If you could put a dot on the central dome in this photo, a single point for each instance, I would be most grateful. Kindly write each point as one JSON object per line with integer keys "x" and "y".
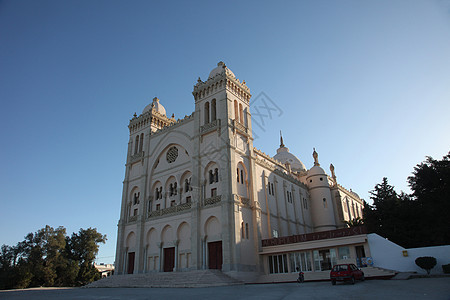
{"x": 284, "y": 156}
{"x": 220, "y": 69}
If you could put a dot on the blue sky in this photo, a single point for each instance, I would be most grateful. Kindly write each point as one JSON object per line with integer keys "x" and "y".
{"x": 367, "y": 83}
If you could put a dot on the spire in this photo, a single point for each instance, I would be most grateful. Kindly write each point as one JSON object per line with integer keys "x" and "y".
{"x": 281, "y": 140}
{"x": 316, "y": 157}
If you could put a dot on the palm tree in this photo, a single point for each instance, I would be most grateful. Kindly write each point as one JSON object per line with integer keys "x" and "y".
{"x": 354, "y": 222}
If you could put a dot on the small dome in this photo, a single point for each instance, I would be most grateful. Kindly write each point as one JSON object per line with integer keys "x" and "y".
{"x": 284, "y": 156}
{"x": 220, "y": 69}
{"x": 156, "y": 105}
{"x": 316, "y": 170}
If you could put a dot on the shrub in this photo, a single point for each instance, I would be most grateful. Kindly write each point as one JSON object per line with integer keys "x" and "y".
{"x": 446, "y": 268}
{"x": 426, "y": 262}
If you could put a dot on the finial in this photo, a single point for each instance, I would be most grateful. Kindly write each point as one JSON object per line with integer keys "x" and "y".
{"x": 135, "y": 115}
{"x": 199, "y": 80}
{"x": 281, "y": 140}
{"x": 220, "y": 63}
{"x": 332, "y": 172}
{"x": 155, "y": 99}
{"x": 316, "y": 157}
{"x": 173, "y": 116}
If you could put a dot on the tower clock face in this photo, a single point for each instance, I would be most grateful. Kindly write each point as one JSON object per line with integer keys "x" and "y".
{"x": 172, "y": 154}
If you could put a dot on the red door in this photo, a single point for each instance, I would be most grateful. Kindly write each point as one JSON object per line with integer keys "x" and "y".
{"x": 215, "y": 255}
{"x": 169, "y": 259}
{"x": 130, "y": 263}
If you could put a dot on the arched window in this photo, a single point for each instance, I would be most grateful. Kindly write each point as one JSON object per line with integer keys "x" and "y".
{"x": 136, "y": 146}
{"x": 213, "y": 110}
{"x": 246, "y": 230}
{"x": 142, "y": 142}
{"x": 242, "y": 231}
{"x": 211, "y": 177}
{"x": 241, "y": 114}
{"x": 216, "y": 175}
{"x": 242, "y": 176}
{"x": 206, "y": 112}
{"x": 237, "y": 169}
{"x": 236, "y": 111}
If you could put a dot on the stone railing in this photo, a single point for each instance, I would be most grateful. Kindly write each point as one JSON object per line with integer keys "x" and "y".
{"x": 132, "y": 218}
{"x": 170, "y": 210}
{"x": 212, "y": 200}
{"x": 209, "y": 127}
{"x": 136, "y": 157}
{"x": 239, "y": 126}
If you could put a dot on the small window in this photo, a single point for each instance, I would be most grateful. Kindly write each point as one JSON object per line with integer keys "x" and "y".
{"x": 310, "y": 180}
{"x": 321, "y": 178}
{"x": 237, "y": 174}
{"x": 172, "y": 203}
{"x": 158, "y": 206}
{"x": 242, "y": 176}
{"x": 325, "y": 203}
{"x": 213, "y": 192}
{"x": 135, "y": 212}
{"x": 188, "y": 199}
{"x": 246, "y": 230}
{"x": 273, "y": 192}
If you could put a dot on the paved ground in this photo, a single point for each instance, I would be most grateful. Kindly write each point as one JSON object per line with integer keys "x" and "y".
{"x": 420, "y": 288}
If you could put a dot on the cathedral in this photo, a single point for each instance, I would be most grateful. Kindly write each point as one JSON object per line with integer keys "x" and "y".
{"x": 198, "y": 195}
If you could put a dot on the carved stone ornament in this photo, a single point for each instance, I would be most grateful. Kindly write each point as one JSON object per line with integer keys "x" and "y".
{"x": 172, "y": 154}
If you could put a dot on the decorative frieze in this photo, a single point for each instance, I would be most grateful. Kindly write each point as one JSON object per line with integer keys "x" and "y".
{"x": 132, "y": 219}
{"x": 170, "y": 210}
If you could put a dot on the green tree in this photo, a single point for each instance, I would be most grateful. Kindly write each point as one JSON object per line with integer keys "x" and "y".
{"x": 354, "y": 222}
{"x": 430, "y": 183}
{"x": 83, "y": 247}
{"x": 392, "y": 216}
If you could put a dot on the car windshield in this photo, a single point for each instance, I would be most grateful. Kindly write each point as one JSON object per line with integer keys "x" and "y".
{"x": 340, "y": 268}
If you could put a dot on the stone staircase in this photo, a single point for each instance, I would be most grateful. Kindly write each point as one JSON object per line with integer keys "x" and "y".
{"x": 200, "y": 278}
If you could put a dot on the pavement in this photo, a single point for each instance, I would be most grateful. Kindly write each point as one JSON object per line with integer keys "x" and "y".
{"x": 417, "y": 288}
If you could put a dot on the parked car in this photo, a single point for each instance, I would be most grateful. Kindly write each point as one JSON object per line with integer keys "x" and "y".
{"x": 346, "y": 272}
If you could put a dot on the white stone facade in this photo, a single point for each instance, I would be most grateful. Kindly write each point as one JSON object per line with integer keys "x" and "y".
{"x": 198, "y": 195}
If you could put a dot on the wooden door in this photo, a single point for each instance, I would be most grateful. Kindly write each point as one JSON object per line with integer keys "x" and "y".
{"x": 169, "y": 259}
{"x": 130, "y": 263}
{"x": 215, "y": 255}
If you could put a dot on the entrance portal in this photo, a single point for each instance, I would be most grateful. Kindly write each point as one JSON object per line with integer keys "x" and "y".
{"x": 360, "y": 253}
{"x": 169, "y": 259}
{"x": 215, "y": 255}
{"x": 130, "y": 263}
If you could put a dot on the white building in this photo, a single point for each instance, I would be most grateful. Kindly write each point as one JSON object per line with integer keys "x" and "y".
{"x": 198, "y": 195}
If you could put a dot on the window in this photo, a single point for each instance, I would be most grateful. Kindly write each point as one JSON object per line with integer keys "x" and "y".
{"x": 274, "y": 233}
{"x": 175, "y": 188}
{"x": 300, "y": 260}
{"x": 241, "y": 114}
{"x": 172, "y": 203}
{"x": 188, "y": 199}
{"x": 136, "y": 198}
{"x": 236, "y": 111}
{"x": 213, "y": 110}
{"x": 135, "y": 212}
{"x": 158, "y": 206}
{"x": 216, "y": 175}
{"x": 246, "y": 230}
{"x": 321, "y": 178}
{"x": 278, "y": 264}
{"x": 344, "y": 252}
{"x": 211, "y": 177}
{"x": 289, "y": 196}
{"x": 305, "y": 203}
{"x": 213, "y": 192}
{"x": 273, "y": 192}
{"x": 141, "y": 142}
{"x": 237, "y": 174}
{"x": 171, "y": 190}
{"x": 206, "y": 112}
{"x": 242, "y": 176}
{"x": 242, "y": 231}
{"x": 187, "y": 183}
{"x": 325, "y": 203}
{"x": 136, "y": 146}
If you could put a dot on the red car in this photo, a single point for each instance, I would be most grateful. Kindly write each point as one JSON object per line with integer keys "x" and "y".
{"x": 346, "y": 272}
